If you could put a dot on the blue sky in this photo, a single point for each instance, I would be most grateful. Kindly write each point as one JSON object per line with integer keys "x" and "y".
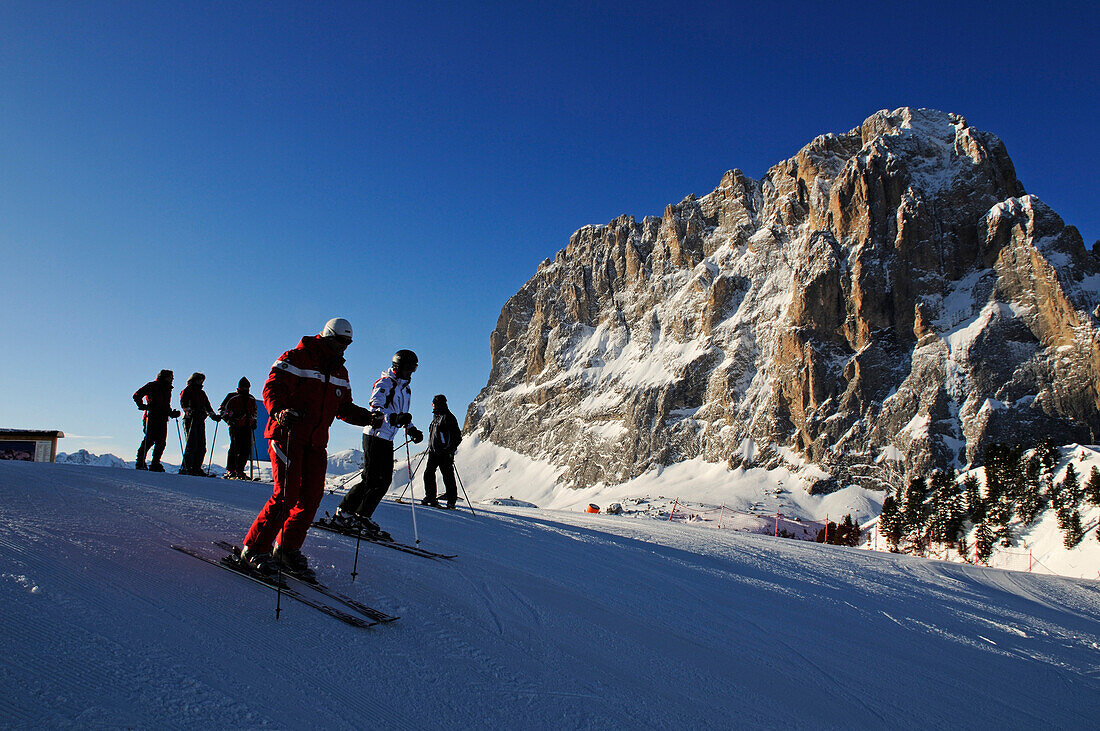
{"x": 197, "y": 185}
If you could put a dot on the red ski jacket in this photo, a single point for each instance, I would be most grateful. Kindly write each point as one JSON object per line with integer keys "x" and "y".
{"x": 238, "y": 409}
{"x": 314, "y": 382}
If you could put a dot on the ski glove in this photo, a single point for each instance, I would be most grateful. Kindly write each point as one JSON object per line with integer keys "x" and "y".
{"x": 400, "y": 420}
{"x": 377, "y": 418}
{"x": 143, "y": 407}
{"x": 174, "y": 413}
{"x": 415, "y": 434}
{"x": 287, "y": 417}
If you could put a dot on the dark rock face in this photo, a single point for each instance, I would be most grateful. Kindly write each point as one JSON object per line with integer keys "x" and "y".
{"x": 888, "y": 292}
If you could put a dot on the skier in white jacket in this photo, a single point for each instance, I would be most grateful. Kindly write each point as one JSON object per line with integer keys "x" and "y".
{"x": 390, "y": 400}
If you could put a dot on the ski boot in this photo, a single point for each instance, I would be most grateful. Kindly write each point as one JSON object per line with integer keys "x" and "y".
{"x": 259, "y": 561}
{"x": 156, "y": 467}
{"x": 430, "y": 503}
{"x": 294, "y": 563}
{"x": 346, "y": 521}
{"x": 373, "y": 531}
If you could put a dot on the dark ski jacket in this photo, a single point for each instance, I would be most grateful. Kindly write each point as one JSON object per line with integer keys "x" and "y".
{"x": 158, "y": 395}
{"x": 195, "y": 400}
{"x": 444, "y": 436}
{"x": 238, "y": 409}
{"x": 314, "y": 382}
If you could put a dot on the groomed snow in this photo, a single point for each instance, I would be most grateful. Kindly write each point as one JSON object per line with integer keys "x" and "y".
{"x": 547, "y": 619}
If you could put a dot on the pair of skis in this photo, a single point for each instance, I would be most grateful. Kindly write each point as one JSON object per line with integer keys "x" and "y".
{"x": 325, "y": 524}
{"x": 299, "y": 590}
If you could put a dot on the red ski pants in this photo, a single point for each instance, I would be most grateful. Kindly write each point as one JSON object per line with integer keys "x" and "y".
{"x": 299, "y": 487}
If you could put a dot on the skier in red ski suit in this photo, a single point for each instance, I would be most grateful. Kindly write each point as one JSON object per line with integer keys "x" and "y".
{"x": 306, "y": 389}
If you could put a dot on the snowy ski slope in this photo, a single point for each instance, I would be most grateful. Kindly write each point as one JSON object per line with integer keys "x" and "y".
{"x": 546, "y": 619}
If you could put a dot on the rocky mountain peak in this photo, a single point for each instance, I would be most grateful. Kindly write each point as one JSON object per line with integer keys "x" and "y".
{"x": 888, "y": 291}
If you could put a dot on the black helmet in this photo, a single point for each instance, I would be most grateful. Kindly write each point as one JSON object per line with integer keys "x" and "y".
{"x": 405, "y": 360}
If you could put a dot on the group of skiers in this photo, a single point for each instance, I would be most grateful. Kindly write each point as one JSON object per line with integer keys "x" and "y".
{"x": 305, "y": 391}
{"x": 238, "y": 410}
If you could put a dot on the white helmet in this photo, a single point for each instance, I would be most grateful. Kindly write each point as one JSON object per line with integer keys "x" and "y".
{"x": 337, "y": 327}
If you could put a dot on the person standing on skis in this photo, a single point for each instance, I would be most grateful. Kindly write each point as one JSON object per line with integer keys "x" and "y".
{"x": 306, "y": 390}
{"x": 391, "y": 399}
{"x": 444, "y": 436}
{"x": 155, "y": 399}
{"x": 238, "y": 409}
{"x": 196, "y": 407}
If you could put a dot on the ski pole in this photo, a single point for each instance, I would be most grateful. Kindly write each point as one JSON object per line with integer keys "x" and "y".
{"x": 255, "y": 455}
{"x": 414, "y": 471}
{"x": 283, "y": 510}
{"x": 180, "y": 436}
{"x": 213, "y": 441}
{"x": 412, "y": 493}
{"x": 355, "y": 562}
{"x": 468, "y": 503}
{"x": 368, "y": 444}
{"x": 402, "y": 445}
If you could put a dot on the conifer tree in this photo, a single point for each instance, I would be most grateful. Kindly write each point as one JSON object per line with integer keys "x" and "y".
{"x": 937, "y": 509}
{"x": 947, "y": 516}
{"x": 983, "y": 542}
{"x": 1054, "y": 495}
{"x": 994, "y": 472}
{"x": 1071, "y": 488}
{"x": 915, "y": 513}
{"x": 956, "y": 507}
{"x": 1074, "y": 531}
{"x": 1048, "y": 454}
{"x": 1092, "y": 489}
{"x": 1001, "y": 462}
{"x": 1031, "y": 500}
{"x": 1067, "y": 496}
{"x": 1016, "y": 477}
{"x": 975, "y": 506}
{"x": 889, "y": 522}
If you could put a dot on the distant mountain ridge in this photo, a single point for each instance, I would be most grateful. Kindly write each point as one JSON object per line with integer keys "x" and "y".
{"x": 84, "y": 457}
{"x": 339, "y": 463}
{"x": 888, "y": 301}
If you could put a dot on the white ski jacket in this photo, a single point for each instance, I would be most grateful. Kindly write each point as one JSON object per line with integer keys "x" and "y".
{"x": 391, "y": 395}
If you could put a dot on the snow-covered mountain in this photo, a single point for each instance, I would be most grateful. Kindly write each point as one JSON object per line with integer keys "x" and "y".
{"x": 339, "y": 463}
{"x": 344, "y": 462}
{"x": 887, "y": 301}
{"x": 547, "y": 619}
{"x": 84, "y": 457}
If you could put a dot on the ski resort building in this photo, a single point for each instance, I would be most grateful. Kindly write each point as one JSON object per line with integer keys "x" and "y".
{"x": 29, "y": 445}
